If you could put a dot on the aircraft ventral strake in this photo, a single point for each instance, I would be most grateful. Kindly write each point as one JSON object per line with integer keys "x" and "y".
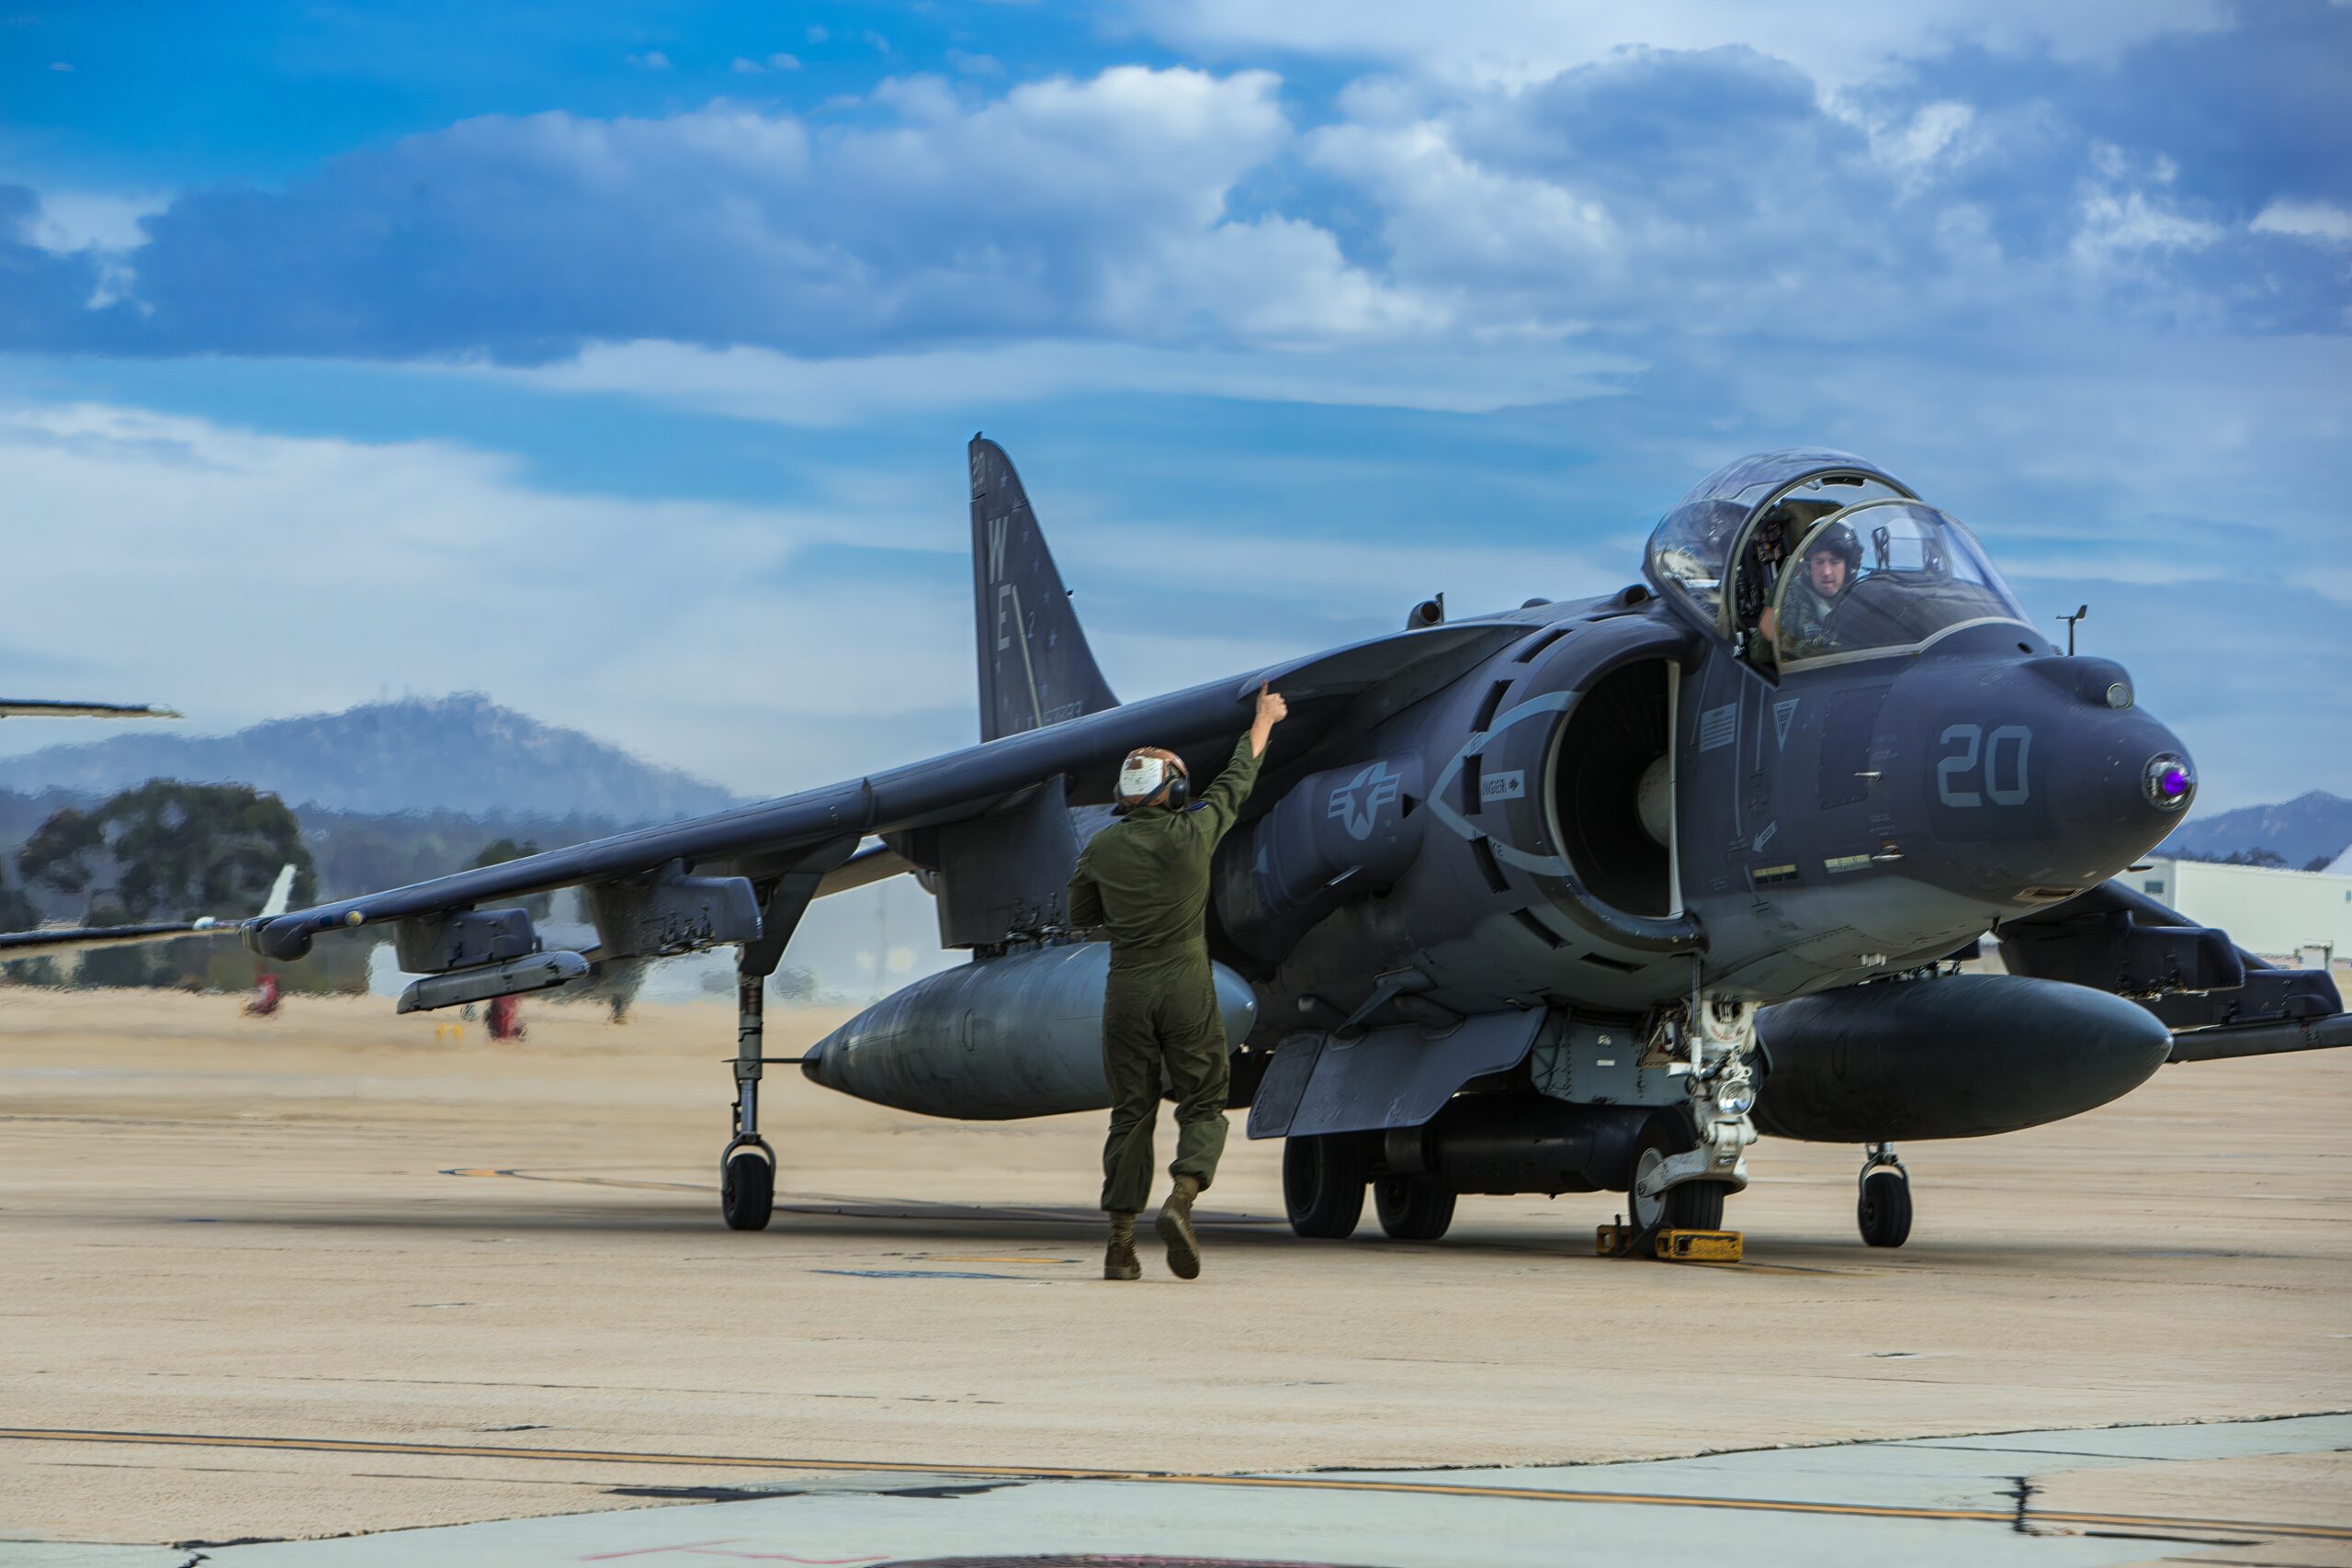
{"x": 1578, "y": 896}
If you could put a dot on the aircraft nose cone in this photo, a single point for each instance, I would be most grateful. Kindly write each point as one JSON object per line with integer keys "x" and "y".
{"x": 2121, "y": 781}
{"x": 2048, "y": 775}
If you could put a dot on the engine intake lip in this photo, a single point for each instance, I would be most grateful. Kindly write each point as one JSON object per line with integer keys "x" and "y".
{"x": 1570, "y": 670}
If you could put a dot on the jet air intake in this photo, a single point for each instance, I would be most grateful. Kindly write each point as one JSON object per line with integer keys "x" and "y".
{"x": 1566, "y": 782}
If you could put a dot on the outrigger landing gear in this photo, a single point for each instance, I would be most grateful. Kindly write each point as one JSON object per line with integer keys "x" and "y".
{"x": 747, "y": 1170}
{"x": 1883, "y": 1204}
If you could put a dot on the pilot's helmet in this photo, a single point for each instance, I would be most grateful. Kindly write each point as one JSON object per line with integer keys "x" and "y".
{"x": 1151, "y": 776}
{"x": 1839, "y": 541}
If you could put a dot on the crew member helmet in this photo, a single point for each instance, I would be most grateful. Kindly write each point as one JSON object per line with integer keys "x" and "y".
{"x": 1839, "y": 541}
{"x": 1151, "y": 776}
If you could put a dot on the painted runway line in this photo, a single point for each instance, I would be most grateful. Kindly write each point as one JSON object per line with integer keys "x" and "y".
{"x": 2004, "y": 1516}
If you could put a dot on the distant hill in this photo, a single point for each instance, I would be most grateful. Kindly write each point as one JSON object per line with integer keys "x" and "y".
{"x": 460, "y": 753}
{"x": 2298, "y": 831}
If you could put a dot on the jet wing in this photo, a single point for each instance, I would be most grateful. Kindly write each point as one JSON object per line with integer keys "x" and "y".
{"x": 781, "y": 836}
{"x": 35, "y": 707}
{"x": 76, "y": 939}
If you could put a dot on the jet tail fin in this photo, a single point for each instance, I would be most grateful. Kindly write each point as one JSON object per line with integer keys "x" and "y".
{"x": 1036, "y": 668}
{"x": 280, "y": 893}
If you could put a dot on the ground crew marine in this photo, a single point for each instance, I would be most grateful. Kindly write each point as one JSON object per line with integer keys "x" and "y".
{"x": 1145, "y": 881}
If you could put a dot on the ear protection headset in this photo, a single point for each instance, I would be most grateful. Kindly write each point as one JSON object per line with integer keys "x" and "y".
{"x": 1145, "y": 780}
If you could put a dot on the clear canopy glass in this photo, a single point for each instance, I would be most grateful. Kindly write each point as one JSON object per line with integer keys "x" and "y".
{"x": 1691, "y": 552}
{"x": 1884, "y": 574}
{"x": 1688, "y": 551}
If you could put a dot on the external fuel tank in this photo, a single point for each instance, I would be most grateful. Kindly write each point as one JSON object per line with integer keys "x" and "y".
{"x": 996, "y": 1039}
{"x": 1962, "y": 1056}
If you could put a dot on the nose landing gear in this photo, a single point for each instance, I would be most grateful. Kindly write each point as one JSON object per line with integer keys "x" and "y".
{"x": 1691, "y": 1159}
{"x": 1882, "y": 1203}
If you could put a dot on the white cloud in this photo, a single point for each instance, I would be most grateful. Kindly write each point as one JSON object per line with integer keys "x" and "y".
{"x": 1935, "y": 137}
{"x": 651, "y": 59}
{"x": 1519, "y": 41}
{"x": 757, "y": 383}
{"x": 73, "y": 220}
{"x": 244, "y": 576}
{"x": 2319, "y": 221}
{"x": 1448, "y": 217}
{"x": 2120, "y": 224}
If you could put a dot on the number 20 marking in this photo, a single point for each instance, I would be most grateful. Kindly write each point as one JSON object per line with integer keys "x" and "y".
{"x": 1952, "y": 772}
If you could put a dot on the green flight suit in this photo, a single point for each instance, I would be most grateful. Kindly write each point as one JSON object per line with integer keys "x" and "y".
{"x": 1145, "y": 880}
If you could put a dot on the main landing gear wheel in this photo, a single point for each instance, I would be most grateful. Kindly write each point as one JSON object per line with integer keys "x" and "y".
{"x": 1412, "y": 1208}
{"x": 1883, "y": 1208}
{"x": 1323, "y": 1180}
{"x": 1692, "y": 1206}
{"x": 747, "y": 1187}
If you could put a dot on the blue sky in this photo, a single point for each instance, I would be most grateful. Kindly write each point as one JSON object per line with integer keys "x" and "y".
{"x": 618, "y": 360}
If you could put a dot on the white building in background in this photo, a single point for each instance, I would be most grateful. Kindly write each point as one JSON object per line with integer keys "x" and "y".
{"x": 2274, "y": 914}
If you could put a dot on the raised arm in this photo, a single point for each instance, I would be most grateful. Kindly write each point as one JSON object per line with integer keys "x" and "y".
{"x": 1222, "y": 800}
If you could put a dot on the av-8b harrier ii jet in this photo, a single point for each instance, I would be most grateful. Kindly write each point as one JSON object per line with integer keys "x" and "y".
{"x": 1576, "y": 896}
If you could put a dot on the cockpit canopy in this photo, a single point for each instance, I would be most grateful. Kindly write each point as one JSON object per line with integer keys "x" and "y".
{"x": 1812, "y": 554}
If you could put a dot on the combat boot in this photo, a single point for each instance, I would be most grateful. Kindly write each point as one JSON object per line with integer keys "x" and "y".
{"x": 1119, "y": 1260}
{"x": 1175, "y": 1227}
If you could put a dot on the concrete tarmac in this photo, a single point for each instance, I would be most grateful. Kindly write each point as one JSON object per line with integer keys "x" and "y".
{"x": 335, "y": 1273}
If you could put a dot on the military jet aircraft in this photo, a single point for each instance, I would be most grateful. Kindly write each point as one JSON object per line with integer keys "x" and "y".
{"x": 1576, "y": 896}
{"x": 49, "y": 707}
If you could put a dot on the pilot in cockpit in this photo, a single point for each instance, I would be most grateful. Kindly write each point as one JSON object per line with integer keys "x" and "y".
{"x": 1833, "y": 558}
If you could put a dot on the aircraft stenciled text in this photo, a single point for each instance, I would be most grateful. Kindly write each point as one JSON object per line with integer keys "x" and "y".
{"x": 2003, "y": 755}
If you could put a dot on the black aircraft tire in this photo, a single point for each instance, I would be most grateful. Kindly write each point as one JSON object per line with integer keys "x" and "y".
{"x": 1883, "y": 1210}
{"x": 1692, "y": 1206}
{"x": 1412, "y": 1208}
{"x": 747, "y": 1190}
{"x": 1323, "y": 1182}
{"x": 1697, "y": 1206}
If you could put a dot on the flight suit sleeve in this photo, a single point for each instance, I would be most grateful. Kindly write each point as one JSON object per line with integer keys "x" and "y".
{"x": 1222, "y": 801}
{"x": 1084, "y": 903}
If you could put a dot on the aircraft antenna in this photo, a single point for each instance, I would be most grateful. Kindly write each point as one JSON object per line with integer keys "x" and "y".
{"x": 2082, "y": 612}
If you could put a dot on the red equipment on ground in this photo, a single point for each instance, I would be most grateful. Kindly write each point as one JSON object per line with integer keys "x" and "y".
{"x": 264, "y": 999}
{"x": 506, "y": 1018}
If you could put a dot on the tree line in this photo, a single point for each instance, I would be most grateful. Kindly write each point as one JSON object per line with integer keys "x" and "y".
{"x": 169, "y": 850}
